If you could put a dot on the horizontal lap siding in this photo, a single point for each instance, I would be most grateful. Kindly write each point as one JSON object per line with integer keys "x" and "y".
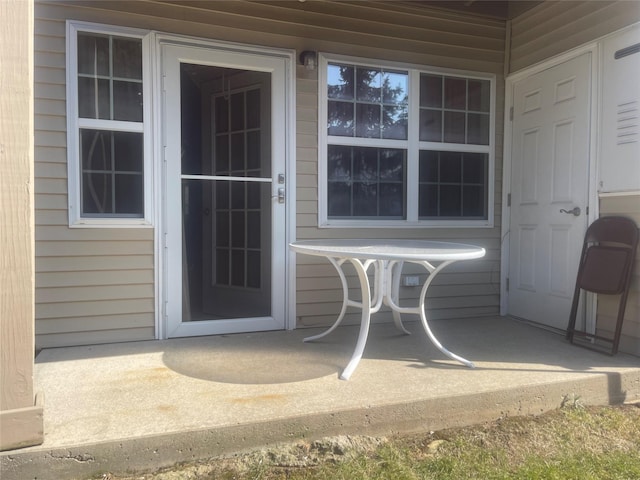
{"x": 625, "y": 206}
{"x": 552, "y": 28}
{"x": 378, "y": 30}
{"x": 92, "y": 285}
{"x": 467, "y": 289}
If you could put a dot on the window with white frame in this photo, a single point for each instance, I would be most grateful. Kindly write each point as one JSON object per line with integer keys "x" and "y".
{"x": 109, "y": 175}
{"x": 404, "y": 146}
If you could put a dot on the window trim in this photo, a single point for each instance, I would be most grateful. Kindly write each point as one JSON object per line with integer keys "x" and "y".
{"x": 412, "y": 144}
{"x": 75, "y": 123}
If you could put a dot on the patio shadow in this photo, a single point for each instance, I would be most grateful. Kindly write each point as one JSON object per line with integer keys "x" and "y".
{"x": 259, "y": 358}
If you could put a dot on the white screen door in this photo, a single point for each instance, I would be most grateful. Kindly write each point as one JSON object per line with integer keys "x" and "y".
{"x": 549, "y": 190}
{"x": 225, "y": 241}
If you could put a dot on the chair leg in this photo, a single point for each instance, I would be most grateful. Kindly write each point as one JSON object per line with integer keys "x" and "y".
{"x": 572, "y": 316}
{"x": 618, "y": 331}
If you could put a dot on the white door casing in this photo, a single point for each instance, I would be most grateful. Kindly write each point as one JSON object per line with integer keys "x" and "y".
{"x": 550, "y": 159}
{"x": 241, "y": 58}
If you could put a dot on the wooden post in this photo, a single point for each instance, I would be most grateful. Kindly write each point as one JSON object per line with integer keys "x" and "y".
{"x": 21, "y": 422}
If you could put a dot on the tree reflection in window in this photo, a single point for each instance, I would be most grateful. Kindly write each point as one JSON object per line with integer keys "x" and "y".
{"x": 366, "y": 102}
{"x": 366, "y": 182}
{"x": 372, "y": 149}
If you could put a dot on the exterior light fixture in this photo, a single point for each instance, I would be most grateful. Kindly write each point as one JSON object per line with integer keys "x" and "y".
{"x": 308, "y": 58}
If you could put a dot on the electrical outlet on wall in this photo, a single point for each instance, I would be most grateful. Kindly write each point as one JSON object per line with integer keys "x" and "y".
{"x": 411, "y": 280}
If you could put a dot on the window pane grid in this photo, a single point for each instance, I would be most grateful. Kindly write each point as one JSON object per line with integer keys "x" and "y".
{"x": 106, "y": 129}
{"x": 366, "y": 182}
{"x": 238, "y": 134}
{"x": 109, "y": 88}
{"x": 450, "y": 117}
{"x": 112, "y": 175}
{"x": 238, "y": 215}
{"x": 367, "y": 102}
{"x": 454, "y": 110}
{"x": 237, "y": 145}
{"x": 452, "y": 185}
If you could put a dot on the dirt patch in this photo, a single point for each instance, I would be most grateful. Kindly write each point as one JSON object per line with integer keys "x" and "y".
{"x": 572, "y": 442}
{"x": 302, "y": 454}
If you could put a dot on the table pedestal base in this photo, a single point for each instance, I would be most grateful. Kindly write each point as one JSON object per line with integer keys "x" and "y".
{"x": 386, "y": 287}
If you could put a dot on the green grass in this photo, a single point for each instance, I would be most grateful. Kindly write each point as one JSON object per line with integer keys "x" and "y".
{"x": 574, "y": 442}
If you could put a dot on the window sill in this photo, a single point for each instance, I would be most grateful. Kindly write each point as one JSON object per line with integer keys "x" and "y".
{"x": 111, "y": 223}
{"x": 406, "y": 224}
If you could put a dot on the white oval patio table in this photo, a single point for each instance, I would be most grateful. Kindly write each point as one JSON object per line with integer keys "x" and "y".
{"x": 387, "y": 258}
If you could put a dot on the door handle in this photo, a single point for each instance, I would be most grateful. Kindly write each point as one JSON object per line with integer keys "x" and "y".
{"x": 575, "y": 211}
{"x": 280, "y": 195}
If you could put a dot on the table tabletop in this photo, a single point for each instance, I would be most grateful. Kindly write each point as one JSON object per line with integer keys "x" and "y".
{"x": 388, "y": 249}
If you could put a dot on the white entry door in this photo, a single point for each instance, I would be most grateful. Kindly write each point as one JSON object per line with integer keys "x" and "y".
{"x": 549, "y": 190}
{"x": 225, "y": 161}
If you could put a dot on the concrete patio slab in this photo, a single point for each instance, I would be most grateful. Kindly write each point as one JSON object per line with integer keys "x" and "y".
{"x": 142, "y": 405}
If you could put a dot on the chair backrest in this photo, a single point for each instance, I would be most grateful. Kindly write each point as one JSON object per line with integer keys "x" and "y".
{"x": 615, "y": 230}
{"x": 608, "y": 254}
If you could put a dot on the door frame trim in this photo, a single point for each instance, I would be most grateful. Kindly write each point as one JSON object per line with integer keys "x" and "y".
{"x": 158, "y": 39}
{"x": 592, "y": 48}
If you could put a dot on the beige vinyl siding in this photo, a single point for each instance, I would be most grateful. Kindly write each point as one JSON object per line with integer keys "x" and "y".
{"x": 467, "y": 289}
{"x": 395, "y": 32}
{"x": 552, "y": 28}
{"x": 625, "y": 206}
{"x": 462, "y": 290}
{"x": 379, "y": 30}
{"x": 92, "y": 285}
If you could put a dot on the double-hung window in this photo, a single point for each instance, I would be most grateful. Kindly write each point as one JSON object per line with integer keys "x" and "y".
{"x": 107, "y": 117}
{"x": 404, "y": 146}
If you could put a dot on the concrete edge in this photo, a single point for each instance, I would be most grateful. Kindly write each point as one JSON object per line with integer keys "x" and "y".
{"x": 136, "y": 455}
